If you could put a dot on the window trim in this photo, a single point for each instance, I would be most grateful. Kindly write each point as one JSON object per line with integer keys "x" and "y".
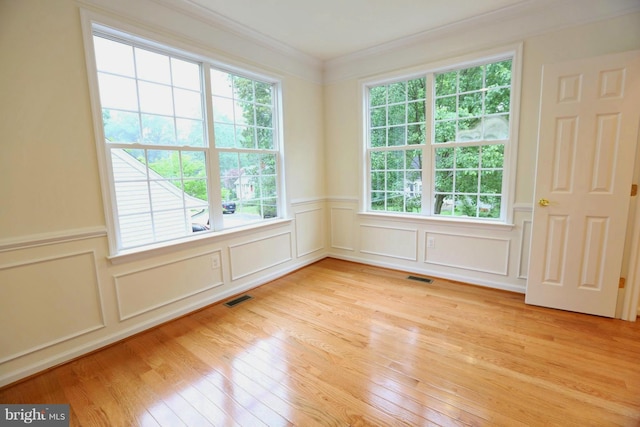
{"x": 167, "y": 43}
{"x": 513, "y": 51}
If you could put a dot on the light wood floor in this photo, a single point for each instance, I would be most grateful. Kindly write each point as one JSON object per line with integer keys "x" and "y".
{"x": 339, "y": 343}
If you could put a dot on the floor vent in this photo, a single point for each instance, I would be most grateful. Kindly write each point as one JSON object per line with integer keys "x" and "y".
{"x": 420, "y": 279}
{"x": 237, "y": 301}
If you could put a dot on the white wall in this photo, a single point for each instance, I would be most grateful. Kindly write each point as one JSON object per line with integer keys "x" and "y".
{"x": 60, "y": 295}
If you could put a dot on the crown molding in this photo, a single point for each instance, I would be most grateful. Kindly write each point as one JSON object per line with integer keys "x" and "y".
{"x": 210, "y": 17}
{"x": 525, "y": 19}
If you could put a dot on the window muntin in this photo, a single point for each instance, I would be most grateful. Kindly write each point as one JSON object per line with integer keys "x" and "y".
{"x": 158, "y": 146}
{"x": 397, "y": 124}
{"x": 468, "y": 129}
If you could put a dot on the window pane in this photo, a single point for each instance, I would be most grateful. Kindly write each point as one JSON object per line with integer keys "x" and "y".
{"x": 444, "y": 181}
{"x": 378, "y": 117}
{"x": 152, "y": 66}
{"x": 497, "y": 100}
{"x": 446, "y": 108}
{"x": 395, "y": 160}
{"x": 159, "y": 130}
{"x": 397, "y": 114}
{"x": 378, "y": 137}
{"x": 113, "y": 57}
{"x": 243, "y": 89}
{"x": 467, "y": 157}
{"x": 443, "y": 204}
{"x": 496, "y": 127}
{"x": 264, "y": 116}
{"x": 414, "y": 160}
{"x": 469, "y": 130}
{"x": 499, "y": 74}
{"x": 121, "y": 126}
{"x": 446, "y": 83}
{"x": 466, "y": 206}
{"x": 470, "y": 104}
{"x": 493, "y": 156}
{"x": 164, "y": 164}
{"x": 377, "y": 181}
{"x": 397, "y": 92}
{"x": 415, "y": 112}
{"x": 466, "y": 181}
{"x": 265, "y": 139}
{"x": 445, "y": 131}
{"x": 471, "y": 79}
{"x": 225, "y": 136}
{"x": 117, "y": 92}
{"x": 132, "y": 197}
{"x": 490, "y": 206}
{"x": 444, "y": 158}
{"x": 221, "y": 83}
{"x": 188, "y": 103}
{"x": 378, "y": 160}
{"x": 263, "y": 93}
{"x": 491, "y": 182}
{"x": 377, "y": 96}
{"x": 222, "y": 110}
{"x": 416, "y": 89}
{"x": 397, "y": 136}
{"x": 190, "y": 132}
{"x": 155, "y": 98}
{"x": 245, "y": 137}
{"x": 185, "y": 74}
{"x": 416, "y": 134}
{"x": 135, "y": 230}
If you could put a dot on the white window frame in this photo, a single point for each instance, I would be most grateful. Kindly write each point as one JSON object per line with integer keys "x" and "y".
{"x": 93, "y": 22}
{"x": 513, "y": 52}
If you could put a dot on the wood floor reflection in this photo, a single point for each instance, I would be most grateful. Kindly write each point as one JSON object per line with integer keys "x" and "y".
{"x": 339, "y": 343}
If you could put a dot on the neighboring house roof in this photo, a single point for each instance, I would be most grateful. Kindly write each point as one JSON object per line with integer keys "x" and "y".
{"x": 128, "y": 168}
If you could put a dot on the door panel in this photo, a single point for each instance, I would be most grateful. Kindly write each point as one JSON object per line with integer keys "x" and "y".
{"x": 589, "y": 118}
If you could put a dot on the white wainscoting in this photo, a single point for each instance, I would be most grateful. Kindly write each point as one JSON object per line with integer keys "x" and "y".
{"x": 141, "y": 291}
{"x": 469, "y": 252}
{"x": 310, "y": 231}
{"x": 259, "y": 254}
{"x": 394, "y": 242}
{"x": 47, "y": 301}
{"x": 342, "y": 228}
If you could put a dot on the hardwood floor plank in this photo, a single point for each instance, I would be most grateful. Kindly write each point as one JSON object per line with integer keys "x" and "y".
{"x": 339, "y": 343}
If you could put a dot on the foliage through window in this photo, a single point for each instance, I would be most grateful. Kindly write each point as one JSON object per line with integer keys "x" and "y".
{"x": 447, "y": 159}
{"x": 162, "y": 148}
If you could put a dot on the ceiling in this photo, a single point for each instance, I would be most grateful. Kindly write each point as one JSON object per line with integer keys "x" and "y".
{"x": 329, "y": 29}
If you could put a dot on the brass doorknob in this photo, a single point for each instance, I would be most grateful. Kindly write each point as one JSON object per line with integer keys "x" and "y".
{"x": 543, "y": 202}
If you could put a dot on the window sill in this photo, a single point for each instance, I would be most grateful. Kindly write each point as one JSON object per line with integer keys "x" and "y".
{"x": 443, "y": 221}
{"x": 206, "y": 237}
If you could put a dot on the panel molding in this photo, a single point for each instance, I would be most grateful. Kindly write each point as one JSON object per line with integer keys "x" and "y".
{"x": 503, "y": 272}
{"x": 300, "y": 230}
{"x": 117, "y": 277}
{"x": 412, "y": 231}
{"x": 333, "y": 230}
{"x": 233, "y": 248}
{"x": 78, "y": 333}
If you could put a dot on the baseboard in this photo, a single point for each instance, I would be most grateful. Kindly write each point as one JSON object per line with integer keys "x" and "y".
{"x": 437, "y": 274}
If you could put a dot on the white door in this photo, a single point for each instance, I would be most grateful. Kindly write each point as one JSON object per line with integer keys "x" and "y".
{"x": 589, "y": 117}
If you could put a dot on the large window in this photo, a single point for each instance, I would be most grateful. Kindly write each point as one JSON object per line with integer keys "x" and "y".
{"x": 437, "y": 143}
{"x": 189, "y": 147}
